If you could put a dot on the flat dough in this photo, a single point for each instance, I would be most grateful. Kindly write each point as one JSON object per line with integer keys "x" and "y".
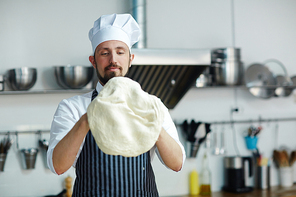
{"x": 124, "y": 119}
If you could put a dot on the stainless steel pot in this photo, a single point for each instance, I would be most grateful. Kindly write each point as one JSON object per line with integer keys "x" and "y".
{"x": 226, "y": 66}
{"x": 222, "y": 54}
{"x": 229, "y": 72}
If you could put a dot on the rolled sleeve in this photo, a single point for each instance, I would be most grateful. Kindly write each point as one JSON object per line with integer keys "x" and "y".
{"x": 65, "y": 117}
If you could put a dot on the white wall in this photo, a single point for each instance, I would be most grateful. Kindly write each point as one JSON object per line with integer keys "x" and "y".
{"x": 45, "y": 33}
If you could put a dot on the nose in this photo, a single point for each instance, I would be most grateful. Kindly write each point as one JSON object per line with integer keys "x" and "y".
{"x": 113, "y": 59}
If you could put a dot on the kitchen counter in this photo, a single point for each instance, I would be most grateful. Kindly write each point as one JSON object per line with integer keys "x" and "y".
{"x": 275, "y": 191}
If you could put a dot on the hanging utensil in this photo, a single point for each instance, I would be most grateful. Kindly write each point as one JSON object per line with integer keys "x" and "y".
{"x": 216, "y": 149}
{"x": 222, "y": 148}
{"x": 192, "y": 128}
{"x": 207, "y": 129}
{"x": 185, "y": 129}
{"x": 208, "y": 141}
{"x": 5, "y": 144}
{"x": 199, "y": 136}
{"x": 292, "y": 158}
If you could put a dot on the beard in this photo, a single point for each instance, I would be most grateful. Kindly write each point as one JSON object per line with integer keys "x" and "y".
{"x": 109, "y": 75}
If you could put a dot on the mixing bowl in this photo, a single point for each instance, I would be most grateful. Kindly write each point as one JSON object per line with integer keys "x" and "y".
{"x": 72, "y": 76}
{"x": 22, "y": 78}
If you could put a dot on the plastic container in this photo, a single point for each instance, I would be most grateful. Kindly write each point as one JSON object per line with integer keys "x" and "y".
{"x": 194, "y": 183}
{"x": 251, "y": 142}
{"x": 286, "y": 176}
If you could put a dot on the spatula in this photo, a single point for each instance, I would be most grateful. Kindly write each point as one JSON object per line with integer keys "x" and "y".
{"x": 199, "y": 134}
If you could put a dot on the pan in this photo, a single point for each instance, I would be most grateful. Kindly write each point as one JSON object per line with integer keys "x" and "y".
{"x": 260, "y": 81}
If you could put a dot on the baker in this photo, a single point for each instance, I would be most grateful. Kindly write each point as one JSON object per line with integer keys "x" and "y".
{"x": 72, "y": 143}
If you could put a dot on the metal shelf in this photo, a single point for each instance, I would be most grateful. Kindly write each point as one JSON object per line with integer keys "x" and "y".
{"x": 60, "y": 91}
{"x": 259, "y": 120}
{"x": 85, "y": 90}
{"x": 219, "y": 86}
{"x": 272, "y": 86}
{"x": 250, "y": 121}
{"x": 23, "y": 132}
{"x": 247, "y": 87}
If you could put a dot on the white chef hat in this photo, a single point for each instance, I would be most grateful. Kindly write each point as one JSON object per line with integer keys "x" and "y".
{"x": 122, "y": 27}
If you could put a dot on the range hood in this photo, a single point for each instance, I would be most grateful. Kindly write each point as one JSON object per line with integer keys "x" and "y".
{"x": 168, "y": 73}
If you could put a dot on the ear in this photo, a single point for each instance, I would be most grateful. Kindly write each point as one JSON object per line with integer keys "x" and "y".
{"x": 92, "y": 61}
{"x": 131, "y": 59}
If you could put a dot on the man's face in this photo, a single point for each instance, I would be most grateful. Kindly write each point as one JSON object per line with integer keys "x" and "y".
{"x": 111, "y": 59}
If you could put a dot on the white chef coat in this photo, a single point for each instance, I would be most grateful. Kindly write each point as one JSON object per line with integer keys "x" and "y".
{"x": 69, "y": 112}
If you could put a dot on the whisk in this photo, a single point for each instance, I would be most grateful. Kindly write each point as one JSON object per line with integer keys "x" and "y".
{"x": 5, "y": 145}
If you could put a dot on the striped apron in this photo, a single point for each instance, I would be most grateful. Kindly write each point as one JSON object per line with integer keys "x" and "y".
{"x": 102, "y": 175}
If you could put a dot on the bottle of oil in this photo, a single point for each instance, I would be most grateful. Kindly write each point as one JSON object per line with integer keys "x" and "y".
{"x": 205, "y": 177}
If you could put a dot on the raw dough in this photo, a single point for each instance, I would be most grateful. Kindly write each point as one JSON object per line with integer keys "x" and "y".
{"x": 124, "y": 119}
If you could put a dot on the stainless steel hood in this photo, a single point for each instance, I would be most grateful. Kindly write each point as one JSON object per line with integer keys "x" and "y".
{"x": 168, "y": 73}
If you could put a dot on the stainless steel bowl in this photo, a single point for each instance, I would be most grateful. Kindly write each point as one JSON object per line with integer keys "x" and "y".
{"x": 22, "y": 78}
{"x": 73, "y": 77}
